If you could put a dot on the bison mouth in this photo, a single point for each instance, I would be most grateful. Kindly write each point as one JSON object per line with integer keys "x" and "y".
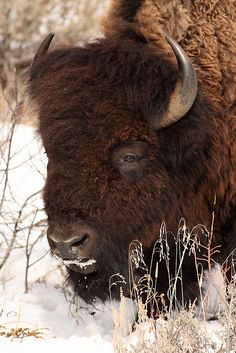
{"x": 83, "y": 266}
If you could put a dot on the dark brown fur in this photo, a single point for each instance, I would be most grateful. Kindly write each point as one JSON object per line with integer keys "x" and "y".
{"x": 92, "y": 98}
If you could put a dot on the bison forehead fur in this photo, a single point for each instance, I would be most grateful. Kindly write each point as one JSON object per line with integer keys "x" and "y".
{"x": 112, "y": 177}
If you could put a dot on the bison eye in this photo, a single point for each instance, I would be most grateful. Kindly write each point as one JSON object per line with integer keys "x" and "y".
{"x": 129, "y": 158}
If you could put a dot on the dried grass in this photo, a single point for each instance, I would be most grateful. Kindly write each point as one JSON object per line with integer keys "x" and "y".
{"x": 179, "y": 328}
{"x": 21, "y": 332}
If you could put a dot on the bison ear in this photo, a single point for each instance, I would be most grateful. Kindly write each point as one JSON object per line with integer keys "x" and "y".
{"x": 185, "y": 91}
{"x": 43, "y": 48}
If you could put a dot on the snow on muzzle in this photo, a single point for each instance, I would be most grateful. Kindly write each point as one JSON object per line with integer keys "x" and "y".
{"x": 84, "y": 266}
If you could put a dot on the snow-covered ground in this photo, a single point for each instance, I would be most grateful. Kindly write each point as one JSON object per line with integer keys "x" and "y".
{"x": 48, "y": 306}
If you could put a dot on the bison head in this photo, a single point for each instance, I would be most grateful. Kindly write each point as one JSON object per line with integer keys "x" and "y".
{"x": 125, "y": 146}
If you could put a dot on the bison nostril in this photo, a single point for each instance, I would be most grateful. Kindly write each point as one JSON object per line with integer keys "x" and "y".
{"x": 72, "y": 241}
{"x": 74, "y": 248}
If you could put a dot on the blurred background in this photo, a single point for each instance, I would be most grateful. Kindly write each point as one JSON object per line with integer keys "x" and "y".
{"x": 23, "y": 25}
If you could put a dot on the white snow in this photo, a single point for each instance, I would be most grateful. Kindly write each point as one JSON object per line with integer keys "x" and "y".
{"x": 65, "y": 324}
{"x": 214, "y": 292}
{"x": 84, "y": 264}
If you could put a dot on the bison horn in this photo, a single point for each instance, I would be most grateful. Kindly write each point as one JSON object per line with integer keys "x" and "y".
{"x": 43, "y": 48}
{"x": 185, "y": 90}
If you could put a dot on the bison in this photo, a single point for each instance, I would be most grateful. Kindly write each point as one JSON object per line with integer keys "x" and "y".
{"x": 134, "y": 139}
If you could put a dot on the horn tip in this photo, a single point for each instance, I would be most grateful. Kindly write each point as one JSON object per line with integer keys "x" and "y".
{"x": 50, "y": 35}
{"x": 43, "y": 48}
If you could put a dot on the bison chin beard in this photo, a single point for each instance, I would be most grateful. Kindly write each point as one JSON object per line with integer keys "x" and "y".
{"x": 102, "y": 284}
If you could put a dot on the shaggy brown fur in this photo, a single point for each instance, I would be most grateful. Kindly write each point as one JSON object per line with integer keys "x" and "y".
{"x": 206, "y": 30}
{"x": 96, "y": 99}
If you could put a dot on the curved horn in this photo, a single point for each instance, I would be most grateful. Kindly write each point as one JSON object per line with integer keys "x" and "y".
{"x": 43, "y": 48}
{"x": 185, "y": 90}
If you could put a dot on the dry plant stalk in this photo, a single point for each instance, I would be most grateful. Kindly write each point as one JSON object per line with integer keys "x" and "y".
{"x": 16, "y": 222}
{"x": 182, "y": 332}
{"x": 6, "y": 145}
